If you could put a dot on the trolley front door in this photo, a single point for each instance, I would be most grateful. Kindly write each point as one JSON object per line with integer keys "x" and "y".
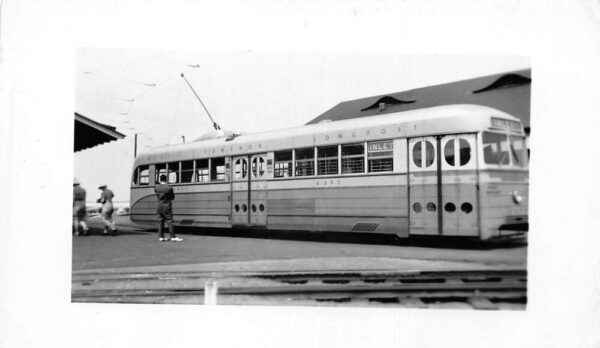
{"x": 459, "y": 185}
{"x": 443, "y": 185}
{"x": 240, "y": 192}
{"x": 249, "y": 202}
{"x": 423, "y": 186}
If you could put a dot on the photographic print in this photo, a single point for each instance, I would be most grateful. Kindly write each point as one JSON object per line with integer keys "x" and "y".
{"x": 301, "y": 179}
{"x": 357, "y": 173}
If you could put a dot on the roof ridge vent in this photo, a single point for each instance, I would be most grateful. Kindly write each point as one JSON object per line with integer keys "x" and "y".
{"x": 505, "y": 81}
{"x": 385, "y": 102}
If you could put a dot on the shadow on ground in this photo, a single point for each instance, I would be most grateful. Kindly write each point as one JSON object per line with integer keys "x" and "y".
{"x": 94, "y": 231}
{"x": 357, "y": 238}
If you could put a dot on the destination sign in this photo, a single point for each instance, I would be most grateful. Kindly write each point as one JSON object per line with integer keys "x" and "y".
{"x": 380, "y": 146}
{"x": 506, "y": 124}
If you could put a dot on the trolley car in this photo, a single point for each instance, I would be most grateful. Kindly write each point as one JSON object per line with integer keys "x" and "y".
{"x": 456, "y": 170}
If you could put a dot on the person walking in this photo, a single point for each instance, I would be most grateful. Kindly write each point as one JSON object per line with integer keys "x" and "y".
{"x": 79, "y": 209}
{"x": 107, "y": 209}
{"x": 164, "y": 210}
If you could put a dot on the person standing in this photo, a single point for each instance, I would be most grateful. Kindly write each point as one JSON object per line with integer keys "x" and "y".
{"x": 79, "y": 209}
{"x": 164, "y": 210}
{"x": 107, "y": 209}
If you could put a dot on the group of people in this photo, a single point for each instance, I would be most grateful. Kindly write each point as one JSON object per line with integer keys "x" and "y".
{"x": 80, "y": 210}
{"x": 164, "y": 210}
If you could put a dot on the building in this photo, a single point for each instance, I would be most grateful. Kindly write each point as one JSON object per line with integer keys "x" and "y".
{"x": 89, "y": 133}
{"x": 509, "y": 92}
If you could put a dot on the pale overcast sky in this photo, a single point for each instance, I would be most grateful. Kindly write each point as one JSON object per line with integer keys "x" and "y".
{"x": 141, "y": 91}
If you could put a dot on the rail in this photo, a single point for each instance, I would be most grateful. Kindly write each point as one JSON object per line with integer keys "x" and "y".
{"x": 487, "y": 289}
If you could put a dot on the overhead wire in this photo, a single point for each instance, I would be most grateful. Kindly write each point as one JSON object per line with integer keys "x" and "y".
{"x": 117, "y": 79}
{"x": 133, "y": 103}
{"x": 119, "y": 64}
{"x": 174, "y": 110}
{"x": 137, "y": 98}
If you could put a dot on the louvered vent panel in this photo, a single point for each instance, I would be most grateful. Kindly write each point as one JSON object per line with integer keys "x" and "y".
{"x": 365, "y": 226}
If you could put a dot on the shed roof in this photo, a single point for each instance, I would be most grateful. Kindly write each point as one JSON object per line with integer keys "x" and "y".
{"x": 509, "y": 92}
{"x": 89, "y": 133}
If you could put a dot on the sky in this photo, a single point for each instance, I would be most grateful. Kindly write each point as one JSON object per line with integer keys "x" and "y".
{"x": 141, "y": 91}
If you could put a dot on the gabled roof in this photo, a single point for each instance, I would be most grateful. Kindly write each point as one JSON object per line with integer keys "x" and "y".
{"x": 89, "y": 133}
{"x": 509, "y": 92}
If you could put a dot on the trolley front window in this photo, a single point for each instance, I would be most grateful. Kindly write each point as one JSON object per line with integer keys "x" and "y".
{"x": 495, "y": 148}
{"x": 517, "y": 150}
{"x": 283, "y": 164}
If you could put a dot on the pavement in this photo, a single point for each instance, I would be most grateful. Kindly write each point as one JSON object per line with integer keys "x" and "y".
{"x": 136, "y": 249}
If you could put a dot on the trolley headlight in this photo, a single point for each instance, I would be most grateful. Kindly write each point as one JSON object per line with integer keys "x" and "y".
{"x": 517, "y": 197}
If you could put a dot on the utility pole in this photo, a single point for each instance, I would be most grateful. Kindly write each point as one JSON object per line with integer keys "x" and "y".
{"x": 135, "y": 145}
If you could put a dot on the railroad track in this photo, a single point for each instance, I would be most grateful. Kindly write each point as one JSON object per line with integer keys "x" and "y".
{"x": 458, "y": 289}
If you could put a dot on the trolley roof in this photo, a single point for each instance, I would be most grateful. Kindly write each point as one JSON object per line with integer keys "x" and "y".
{"x": 448, "y": 119}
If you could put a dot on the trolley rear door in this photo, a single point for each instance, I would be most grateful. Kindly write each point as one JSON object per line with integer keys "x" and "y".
{"x": 257, "y": 204}
{"x": 249, "y": 191}
{"x": 459, "y": 185}
{"x": 442, "y": 179}
{"x": 239, "y": 191}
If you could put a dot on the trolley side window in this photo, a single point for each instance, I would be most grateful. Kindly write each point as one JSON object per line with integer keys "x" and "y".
{"x": 258, "y": 166}
{"x": 173, "y": 176}
{"x": 283, "y": 164}
{"x": 429, "y": 153}
{"x": 135, "y": 177}
{"x": 495, "y": 148}
{"x": 240, "y": 168}
{"x": 144, "y": 174}
{"x": 217, "y": 169}
{"x": 160, "y": 169}
{"x": 187, "y": 171}
{"x": 327, "y": 157}
{"x": 464, "y": 150}
{"x": 140, "y": 175}
{"x": 353, "y": 158}
{"x": 380, "y": 156}
{"x": 202, "y": 170}
{"x": 517, "y": 150}
{"x": 305, "y": 162}
{"x": 449, "y": 152}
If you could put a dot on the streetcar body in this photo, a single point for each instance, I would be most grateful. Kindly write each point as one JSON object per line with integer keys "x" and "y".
{"x": 456, "y": 170}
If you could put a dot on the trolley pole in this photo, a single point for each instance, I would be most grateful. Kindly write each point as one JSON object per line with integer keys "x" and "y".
{"x": 217, "y": 127}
